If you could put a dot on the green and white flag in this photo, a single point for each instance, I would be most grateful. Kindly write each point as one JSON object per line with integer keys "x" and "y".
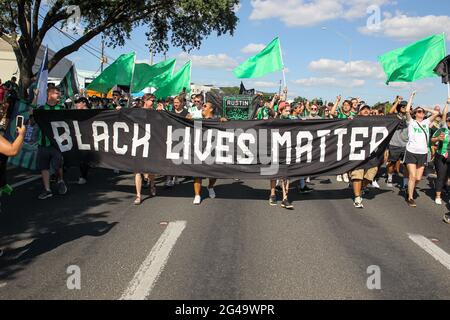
{"x": 267, "y": 61}
{"x": 414, "y": 62}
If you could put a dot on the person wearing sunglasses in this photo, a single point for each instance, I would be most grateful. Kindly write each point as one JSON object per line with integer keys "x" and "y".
{"x": 441, "y": 161}
{"x": 418, "y": 149}
{"x": 196, "y": 110}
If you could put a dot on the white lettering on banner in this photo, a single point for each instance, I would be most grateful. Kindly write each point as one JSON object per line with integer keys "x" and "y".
{"x": 322, "y": 134}
{"x": 100, "y": 137}
{"x": 374, "y": 144}
{"x": 224, "y": 154}
{"x": 198, "y": 134}
{"x": 64, "y": 137}
{"x": 169, "y": 154}
{"x": 142, "y": 142}
{"x": 119, "y": 125}
{"x": 187, "y": 143}
{"x": 354, "y": 144}
{"x": 281, "y": 140}
{"x": 245, "y": 154}
{"x": 81, "y": 145}
{"x": 302, "y": 149}
{"x": 340, "y": 133}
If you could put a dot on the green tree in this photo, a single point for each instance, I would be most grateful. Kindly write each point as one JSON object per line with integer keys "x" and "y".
{"x": 182, "y": 23}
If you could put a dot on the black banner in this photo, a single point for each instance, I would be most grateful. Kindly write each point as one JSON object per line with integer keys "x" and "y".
{"x": 137, "y": 140}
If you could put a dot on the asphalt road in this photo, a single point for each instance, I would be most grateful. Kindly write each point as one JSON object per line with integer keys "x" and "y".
{"x": 233, "y": 247}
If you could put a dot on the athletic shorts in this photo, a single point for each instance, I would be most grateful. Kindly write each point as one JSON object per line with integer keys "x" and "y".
{"x": 362, "y": 174}
{"x": 49, "y": 156}
{"x": 396, "y": 154}
{"x": 414, "y": 158}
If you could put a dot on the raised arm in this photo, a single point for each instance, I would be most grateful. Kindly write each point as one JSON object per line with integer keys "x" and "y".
{"x": 408, "y": 107}
{"x": 335, "y": 107}
{"x": 394, "y": 108}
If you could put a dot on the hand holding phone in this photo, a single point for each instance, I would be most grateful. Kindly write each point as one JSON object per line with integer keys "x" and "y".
{"x": 19, "y": 121}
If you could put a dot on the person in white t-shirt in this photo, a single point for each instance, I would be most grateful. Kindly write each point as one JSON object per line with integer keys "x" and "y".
{"x": 417, "y": 149}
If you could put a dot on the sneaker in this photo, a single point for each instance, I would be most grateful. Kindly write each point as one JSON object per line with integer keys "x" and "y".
{"x": 447, "y": 218}
{"x": 389, "y": 184}
{"x": 358, "y": 203}
{"x": 287, "y": 205}
{"x": 375, "y": 185}
{"x": 82, "y": 181}
{"x": 345, "y": 177}
{"x": 308, "y": 180}
{"x": 339, "y": 178}
{"x": 138, "y": 201}
{"x": 197, "y": 200}
{"x": 411, "y": 203}
{"x": 62, "y": 188}
{"x": 212, "y": 193}
{"x": 305, "y": 190}
{"x": 273, "y": 200}
{"x": 45, "y": 195}
{"x": 438, "y": 201}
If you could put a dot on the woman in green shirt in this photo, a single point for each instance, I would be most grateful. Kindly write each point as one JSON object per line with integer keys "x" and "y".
{"x": 441, "y": 139}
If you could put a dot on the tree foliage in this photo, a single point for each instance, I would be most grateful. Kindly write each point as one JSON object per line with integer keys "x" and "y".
{"x": 181, "y": 23}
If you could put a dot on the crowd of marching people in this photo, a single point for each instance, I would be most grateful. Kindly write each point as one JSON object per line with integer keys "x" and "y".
{"x": 420, "y": 143}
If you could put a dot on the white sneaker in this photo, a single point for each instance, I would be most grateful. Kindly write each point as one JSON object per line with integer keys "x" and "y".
{"x": 212, "y": 193}
{"x": 375, "y": 185}
{"x": 438, "y": 201}
{"x": 197, "y": 200}
{"x": 358, "y": 203}
{"x": 339, "y": 178}
{"x": 308, "y": 180}
{"x": 82, "y": 181}
{"x": 345, "y": 177}
{"x": 389, "y": 184}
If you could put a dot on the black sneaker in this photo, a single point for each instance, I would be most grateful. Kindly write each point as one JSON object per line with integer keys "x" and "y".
{"x": 273, "y": 200}
{"x": 305, "y": 190}
{"x": 45, "y": 195}
{"x": 62, "y": 188}
{"x": 287, "y": 205}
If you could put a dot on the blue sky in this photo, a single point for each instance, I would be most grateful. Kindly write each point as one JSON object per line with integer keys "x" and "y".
{"x": 316, "y": 59}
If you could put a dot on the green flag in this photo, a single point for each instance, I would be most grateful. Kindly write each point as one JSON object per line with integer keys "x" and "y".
{"x": 146, "y": 75}
{"x": 267, "y": 61}
{"x": 120, "y": 72}
{"x": 414, "y": 62}
{"x": 181, "y": 80}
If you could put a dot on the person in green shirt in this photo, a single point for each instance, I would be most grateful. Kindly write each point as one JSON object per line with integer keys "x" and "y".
{"x": 344, "y": 112}
{"x": 441, "y": 139}
{"x": 48, "y": 155}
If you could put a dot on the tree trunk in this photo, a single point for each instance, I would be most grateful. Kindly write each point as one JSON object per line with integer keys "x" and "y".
{"x": 26, "y": 74}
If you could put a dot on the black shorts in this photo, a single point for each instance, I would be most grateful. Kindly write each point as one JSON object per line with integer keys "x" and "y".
{"x": 417, "y": 159}
{"x": 396, "y": 154}
{"x": 47, "y": 156}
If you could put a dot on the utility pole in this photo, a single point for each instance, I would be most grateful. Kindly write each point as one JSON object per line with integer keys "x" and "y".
{"x": 103, "y": 60}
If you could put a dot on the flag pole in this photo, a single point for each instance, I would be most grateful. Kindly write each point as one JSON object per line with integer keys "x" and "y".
{"x": 445, "y": 53}
{"x": 132, "y": 79}
{"x": 282, "y": 62}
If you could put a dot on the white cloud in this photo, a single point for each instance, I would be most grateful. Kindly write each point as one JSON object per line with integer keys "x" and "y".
{"x": 329, "y": 81}
{"x": 311, "y": 12}
{"x": 402, "y": 27}
{"x": 253, "y": 48}
{"x": 357, "y": 69}
{"x": 212, "y": 61}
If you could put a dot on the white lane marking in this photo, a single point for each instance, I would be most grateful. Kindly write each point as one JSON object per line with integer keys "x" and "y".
{"x": 432, "y": 249}
{"x": 21, "y": 183}
{"x": 152, "y": 267}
